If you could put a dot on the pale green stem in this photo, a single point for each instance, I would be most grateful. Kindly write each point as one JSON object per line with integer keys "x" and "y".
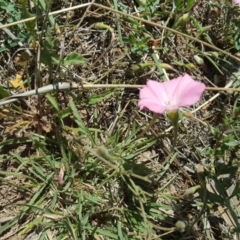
{"x": 175, "y": 134}
{"x": 173, "y": 117}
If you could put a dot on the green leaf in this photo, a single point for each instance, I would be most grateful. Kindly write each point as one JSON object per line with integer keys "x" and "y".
{"x": 8, "y": 225}
{"x": 214, "y": 63}
{"x": 77, "y": 116}
{"x": 15, "y": 141}
{"x": 214, "y": 198}
{"x": 48, "y": 53}
{"x": 74, "y": 58}
{"x": 79, "y": 121}
{"x": 53, "y": 101}
{"x": 236, "y": 191}
{"x": 232, "y": 143}
{"x": 26, "y": 14}
{"x": 64, "y": 113}
{"x": 96, "y": 98}
{"x": 10, "y": 7}
{"x": 120, "y": 233}
{"x": 224, "y": 169}
{"x": 3, "y": 93}
{"x": 104, "y": 232}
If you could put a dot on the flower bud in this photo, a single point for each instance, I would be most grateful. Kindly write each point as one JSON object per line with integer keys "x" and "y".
{"x": 180, "y": 226}
{"x": 182, "y": 21}
{"x": 198, "y": 60}
{"x": 190, "y": 191}
{"x": 213, "y": 54}
{"x": 206, "y": 28}
{"x": 173, "y": 116}
{"x": 190, "y": 66}
{"x": 103, "y": 152}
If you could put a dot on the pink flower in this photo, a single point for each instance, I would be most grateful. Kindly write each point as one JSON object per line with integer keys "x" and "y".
{"x": 179, "y": 92}
{"x": 237, "y": 2}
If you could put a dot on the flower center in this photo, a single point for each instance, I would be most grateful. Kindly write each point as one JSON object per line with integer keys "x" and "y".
{"x": 172, "y": 102}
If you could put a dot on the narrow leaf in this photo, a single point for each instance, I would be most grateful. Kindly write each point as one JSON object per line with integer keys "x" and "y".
{"x": 74, "y": 58}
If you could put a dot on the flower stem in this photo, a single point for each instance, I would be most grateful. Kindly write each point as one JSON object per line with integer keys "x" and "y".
{"x": 175, "y": 134}
{"x": 173, "y": 117}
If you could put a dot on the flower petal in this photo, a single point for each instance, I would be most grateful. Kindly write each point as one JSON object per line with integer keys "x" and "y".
{"x": 237, "y": 2}
{"x": 156, "y": 90}
{"x": 152, "y": 105}
{"x": 153, "y": 97}
{"x": 187, "y": 91}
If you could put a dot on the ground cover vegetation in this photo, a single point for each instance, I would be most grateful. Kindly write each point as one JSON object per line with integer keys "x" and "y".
{"x": 119, "y": 119}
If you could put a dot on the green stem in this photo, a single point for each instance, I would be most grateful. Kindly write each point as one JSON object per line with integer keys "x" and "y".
{"x": 175, "y": 134}
{"x": 173, "y": 117}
